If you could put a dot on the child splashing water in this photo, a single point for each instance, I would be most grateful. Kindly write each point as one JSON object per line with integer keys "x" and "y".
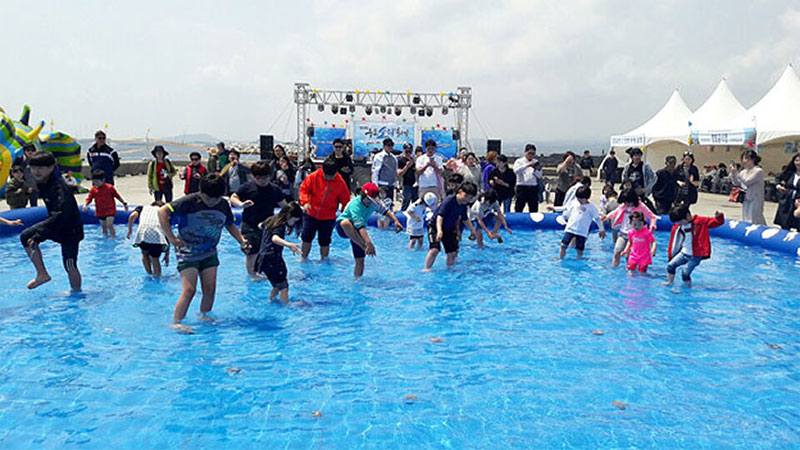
{"x": 487, "y": 208}
{"x": 641, "y": 245}
{"x": 270, "y": 254}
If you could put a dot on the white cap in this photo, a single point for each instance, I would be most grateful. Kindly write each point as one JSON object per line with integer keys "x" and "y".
{"x": 430, "y": 199}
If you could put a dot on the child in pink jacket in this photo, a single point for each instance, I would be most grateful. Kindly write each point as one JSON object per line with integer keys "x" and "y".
{"x": 620, "y": 217}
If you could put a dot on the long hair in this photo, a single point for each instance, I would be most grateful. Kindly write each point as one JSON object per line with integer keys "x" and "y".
{"x": 790, "y": 170}
{"x": 292, "y": 209}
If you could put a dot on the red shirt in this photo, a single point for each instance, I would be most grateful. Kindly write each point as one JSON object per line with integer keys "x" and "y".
{"x": 103, "y": 196}
{"x": 161, "y": 174}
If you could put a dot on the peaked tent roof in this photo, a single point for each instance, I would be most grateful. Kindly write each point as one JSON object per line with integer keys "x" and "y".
{"x": 670, "y": 123}
{"x": 721, "y": 112}
{"x": 777, "y": 114}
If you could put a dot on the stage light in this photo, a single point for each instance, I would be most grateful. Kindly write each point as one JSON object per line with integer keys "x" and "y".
{"x": 413, "y": 110}
{"x": 444, "y": 110}
{"x": 453, "y": 98}
{"x": 398, "y": 110}
{"x": 383, "y": 109}
{"x": 416, "y": 100}
{"x": 368, "y": 110}
{"x": 335, "y": 109}
{"x": 429, "y": 111}
{"x": 352, "y": 108}
{"x": 321, "y": 107}
{"x": 422, "y": 112}
{"x": 348, "y": 97}
{"x": 342, "y": 110}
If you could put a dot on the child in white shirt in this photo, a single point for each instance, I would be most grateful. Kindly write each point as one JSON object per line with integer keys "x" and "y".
{"x": 579, "y": 216}
{"x": 418, "y": 214}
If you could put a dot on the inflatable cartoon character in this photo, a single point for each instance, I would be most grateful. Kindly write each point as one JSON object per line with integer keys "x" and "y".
{"x": 14, "y": 135}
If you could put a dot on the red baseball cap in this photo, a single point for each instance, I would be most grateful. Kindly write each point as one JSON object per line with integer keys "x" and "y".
{"x": 370, "y": 189}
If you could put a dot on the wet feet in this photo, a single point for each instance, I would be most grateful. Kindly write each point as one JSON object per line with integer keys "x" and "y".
{"x": 38, "y": 281}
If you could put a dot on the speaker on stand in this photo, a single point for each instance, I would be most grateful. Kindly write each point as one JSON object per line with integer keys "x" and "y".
{"x": 493, "y": 145}
{"x": 266, "y": 145}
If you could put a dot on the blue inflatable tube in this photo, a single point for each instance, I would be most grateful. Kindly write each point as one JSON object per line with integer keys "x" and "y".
{"x": 769, "y": 238}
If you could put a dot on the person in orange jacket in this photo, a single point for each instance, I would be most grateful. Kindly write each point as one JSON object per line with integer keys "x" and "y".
{"x": 321, "y": 194}
{"x": 689, "y": 242}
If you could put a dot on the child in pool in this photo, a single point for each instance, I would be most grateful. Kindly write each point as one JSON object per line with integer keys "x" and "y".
{"x": 444, "y": 229}
{"x": 352, "y": 224}
{"x": 579, "y": 215}
{"x": 417, "y": 215}
{"x": 386, "y": 202}
{"x": 689, "y": 242}
{"x": 608, "y": 203}
{"x": 620, "y": 217}
{"x": 105, "y": 208}
{"x": 269, "y": 260}
{"x": 150, "y": 237}
{"x": 641, "y": 245}
{"x": 486, "y": 208}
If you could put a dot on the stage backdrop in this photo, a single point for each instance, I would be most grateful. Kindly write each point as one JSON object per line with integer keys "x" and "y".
{"x": 445, "y": 145}
{"x": 323, "y": 140}
{"x": 368, "y": 136}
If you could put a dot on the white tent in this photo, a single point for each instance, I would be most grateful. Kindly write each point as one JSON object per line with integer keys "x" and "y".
{"x": 777, "y": 114}
{"x": 721, "y": 120}
{"x": 667, "y": 131}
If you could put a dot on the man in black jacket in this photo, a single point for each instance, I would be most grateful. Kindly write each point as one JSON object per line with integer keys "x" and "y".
{"x": 666, "y": 187}
{"x": 102, "y": 157}
{"x": 63, "y": 223}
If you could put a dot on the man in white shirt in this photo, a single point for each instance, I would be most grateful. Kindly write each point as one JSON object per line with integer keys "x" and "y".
{"x": 429, "y": 171}
{"x": 384, "y": 168}
{"x": 527, "y": 181}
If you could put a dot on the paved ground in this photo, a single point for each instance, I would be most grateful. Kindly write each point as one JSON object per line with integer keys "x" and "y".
{"x": 134, "y": 189}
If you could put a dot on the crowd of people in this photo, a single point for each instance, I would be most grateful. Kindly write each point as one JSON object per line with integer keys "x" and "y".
{"x": 439, "y": 200}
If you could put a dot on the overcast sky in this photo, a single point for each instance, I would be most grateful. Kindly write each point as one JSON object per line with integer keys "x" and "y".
{"x": 539, "y": 69}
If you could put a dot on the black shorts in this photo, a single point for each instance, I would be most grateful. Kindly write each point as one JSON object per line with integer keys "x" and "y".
{"x": 69, "y": 245}
{"x": 152, "y": 250}
{"x": 580, "y": 241}
{"x": 358, "y": 252}
{"x": 275, "y": 270}
{"x": 322, "y": 228}
{"x": 449, "y": 239}
{"x": 253, "y": 236}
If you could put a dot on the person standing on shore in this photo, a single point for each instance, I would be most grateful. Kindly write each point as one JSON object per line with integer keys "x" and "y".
{"x": 31, "y": 189}
{"x": 384, "y": 168}
{"x": 102, "y": 157}
{"x": 487, "y": 167}
{"x": 751, "y": 180}
{"x": 568, "y": 173}
{"x": 429, "y": 171}
{"x": 193, "y": 173}
{"x": 608, "y": 168}
{"x": 159, "y": 175}
{"x": 503, "y": 180}
{"x": 406, "y": 172}
{"x": 235, "y": 173}
{"x": 789, "y": 189}
{"x": 527, "y": 181}
{"x": 688, "y": 180}
{"x": 344, "y": 164}
{"x": 666, "y": 188}
{"x": 639, "y": 175}
{"x": 586, "y": 163}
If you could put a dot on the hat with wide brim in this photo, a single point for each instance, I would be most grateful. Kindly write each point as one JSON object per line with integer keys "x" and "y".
{"x": 157, "y": 148}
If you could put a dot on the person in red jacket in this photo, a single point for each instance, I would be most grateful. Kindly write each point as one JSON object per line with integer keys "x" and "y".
{"x": 689, "y": 242}
{"x": 193, "y": 174}
{"x": 105, "y": 208}
{"x": 321, "y": 194}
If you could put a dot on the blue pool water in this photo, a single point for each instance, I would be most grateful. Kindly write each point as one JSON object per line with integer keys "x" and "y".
{"x": 518, "y": 364}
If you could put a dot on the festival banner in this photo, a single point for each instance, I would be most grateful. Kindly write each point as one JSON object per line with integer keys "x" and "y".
{"x": 368, "y": 136}
{"x": 323, "y": 140}
{"x": 445, "y": 145}
{"x": 627, "y": 141}
{"x": 737, "y": 137}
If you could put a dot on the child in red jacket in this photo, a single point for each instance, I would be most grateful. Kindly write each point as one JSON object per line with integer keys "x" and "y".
{"x": 105, "y": 208}
{"x": 689, "y": 242}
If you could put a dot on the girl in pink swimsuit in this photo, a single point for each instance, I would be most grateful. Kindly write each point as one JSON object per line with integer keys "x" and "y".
{"x": 641, "y": 244}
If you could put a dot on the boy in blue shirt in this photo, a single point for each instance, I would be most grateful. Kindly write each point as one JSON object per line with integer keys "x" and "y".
{"x": 445, "y": 230}
{"x": 201, "y": 218}
{"x": 352, "y": 222}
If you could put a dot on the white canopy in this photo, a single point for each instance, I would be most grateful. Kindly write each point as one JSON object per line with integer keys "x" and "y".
{"x": 670, "y": 124}
{"x": 722, "y": 120}
{"x": 777, "y": 114}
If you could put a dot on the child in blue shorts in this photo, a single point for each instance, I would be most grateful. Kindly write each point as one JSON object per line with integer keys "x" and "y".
{"x": 352, "y": 222}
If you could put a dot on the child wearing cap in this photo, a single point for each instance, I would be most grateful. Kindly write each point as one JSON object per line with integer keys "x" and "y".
{"x": 417, "y": 214}
{"x": 105, "y": 208}
{"x": 352, "y": 222}
{"x": 445, "y": 228}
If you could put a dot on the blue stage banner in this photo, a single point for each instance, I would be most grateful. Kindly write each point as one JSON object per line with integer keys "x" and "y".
{"x": 445, "y": 145}
{"x": 368, "y": 136}
{"x": 323, "y": 140}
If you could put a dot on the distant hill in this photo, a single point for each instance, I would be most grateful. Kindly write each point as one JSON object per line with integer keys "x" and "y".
{"x": 199, "y": 139}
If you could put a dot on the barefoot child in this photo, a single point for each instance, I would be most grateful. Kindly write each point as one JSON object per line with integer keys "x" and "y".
{"x": 445, "y": 229}
{"x": 352, "y": 222}
{"x": 387, "y": 203}
{"x": 63, "y": 223}
{"x": 201, "y": 218}
{"x": 149, "y": 237}
{"x": 416, "y": 216}
{"x": 689, "y": 242}
{"x": 641, "y": 245}
{"x": 269, "y": 260}
{"x": 487, "y": 207}
{"x": 579, "y": 215}
{"x": 105, "y": 208}
{"x": 620, "y": 217}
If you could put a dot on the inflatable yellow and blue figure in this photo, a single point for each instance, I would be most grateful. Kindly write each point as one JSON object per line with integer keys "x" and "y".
{"x": 14, "y": 135}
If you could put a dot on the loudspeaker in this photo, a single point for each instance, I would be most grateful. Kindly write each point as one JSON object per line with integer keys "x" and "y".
{"x": 266, "y": 143}
{"x": 310, "y": 131}
{"x": 493, "y": 145}
{"x": 456, "y": 135}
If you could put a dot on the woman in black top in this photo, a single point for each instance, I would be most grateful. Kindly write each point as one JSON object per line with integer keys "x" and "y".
{"x": 688, "y": 178}
{"x": 503, "y": 180}
{"x": 789, "y": 190}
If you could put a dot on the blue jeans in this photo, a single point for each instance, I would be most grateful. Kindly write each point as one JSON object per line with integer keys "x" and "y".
{"x": 681, "y": 259}
{"x": 506, "y": 206}
{"x": 409, "y": 195}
